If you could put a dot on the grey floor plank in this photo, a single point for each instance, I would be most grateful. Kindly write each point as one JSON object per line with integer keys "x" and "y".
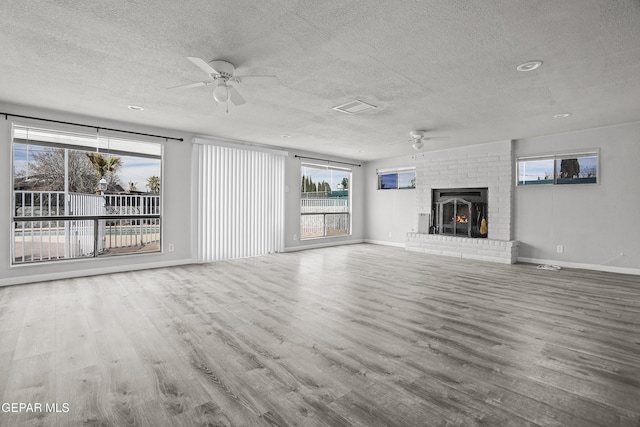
{"x": 358, "y": 335}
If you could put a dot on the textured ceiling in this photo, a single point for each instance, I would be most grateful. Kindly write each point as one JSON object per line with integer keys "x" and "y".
{"x": 440, "y": 65}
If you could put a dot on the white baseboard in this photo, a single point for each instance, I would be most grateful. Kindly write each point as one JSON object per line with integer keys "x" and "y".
{"x": 322, "y": 245}
{"x": 596, "y": 267}
{"x": 382, "y": 242}
{"x": 70, "y": 274}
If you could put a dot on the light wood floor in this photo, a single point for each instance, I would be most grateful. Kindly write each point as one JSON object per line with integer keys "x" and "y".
{"x": 355, "y": 335}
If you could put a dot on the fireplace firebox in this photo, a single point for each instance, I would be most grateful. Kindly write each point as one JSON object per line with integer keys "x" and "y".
{"x": 460, "y": 212}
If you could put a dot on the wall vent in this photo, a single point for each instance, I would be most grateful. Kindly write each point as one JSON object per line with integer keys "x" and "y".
{"x": 354, "y": 107}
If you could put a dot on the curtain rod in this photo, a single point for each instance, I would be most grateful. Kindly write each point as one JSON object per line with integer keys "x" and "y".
{"x": 327, "y": 160}
{"x": 98, "y": 128}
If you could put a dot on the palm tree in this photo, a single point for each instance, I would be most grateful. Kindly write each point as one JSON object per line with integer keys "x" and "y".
{"x": 132, "y": 186}
{"x": 104, "y": 165}
{"x": 153, "y": 184}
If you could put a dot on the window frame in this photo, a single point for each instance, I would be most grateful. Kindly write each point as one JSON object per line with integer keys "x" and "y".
{"x": 349, "y": 197}
{"x": 397, "y": 172}
{"x": 556, "y": 159}
{"x": 147, "y": 219}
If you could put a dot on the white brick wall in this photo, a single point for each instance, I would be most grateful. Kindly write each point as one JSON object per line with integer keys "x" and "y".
{"x": 505, "y": 252}
{"x": 486, "y": 165}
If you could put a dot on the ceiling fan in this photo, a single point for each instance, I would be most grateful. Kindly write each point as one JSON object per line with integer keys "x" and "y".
{"x": 223, "y": 78}
{"x": 417, "y": 139}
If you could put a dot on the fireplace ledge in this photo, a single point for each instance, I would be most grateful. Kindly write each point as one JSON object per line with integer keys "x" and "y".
{"x": 501, "y": 251}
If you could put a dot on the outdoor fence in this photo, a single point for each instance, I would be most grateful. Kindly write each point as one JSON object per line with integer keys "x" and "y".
{"x": 324, "y": 225}
{"x": 324, "y": 205}
{"x": 50, "y": 225}
{"x": 323, "y": 217}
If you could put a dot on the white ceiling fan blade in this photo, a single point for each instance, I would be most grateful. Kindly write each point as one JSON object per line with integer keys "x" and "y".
{"x": 235, "y": 96}
{"x": 397, "y": 142}
{"x": 262, "y": 80}
{"x": 422, "y": 140}
{"x": 190, "y": 85}
{"x": 202, "y": 64}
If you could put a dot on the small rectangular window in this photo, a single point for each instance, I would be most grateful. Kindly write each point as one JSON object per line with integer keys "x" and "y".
{"x": 407, "y": 179}
{"x": 535, "y": 172}
{"x": 397, "y": 179}
{"x": 388, "y": 181}
{"x": 579, "y": 168}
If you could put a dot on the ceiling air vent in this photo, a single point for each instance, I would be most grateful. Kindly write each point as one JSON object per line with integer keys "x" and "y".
{"x": 354, "y": 107}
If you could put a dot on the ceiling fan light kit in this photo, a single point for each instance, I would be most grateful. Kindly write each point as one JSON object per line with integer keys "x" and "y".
{"x": 417, "y": 139}
{"x": 221, "y": 73}
{"x": 418, "y": 145}
{"x": 221, "y": 92}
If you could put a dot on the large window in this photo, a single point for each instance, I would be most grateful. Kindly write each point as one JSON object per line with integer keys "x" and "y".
{"x": 579, "y": 168}
{"x": 78, "y": 195}
{"x": 325, "y": 203}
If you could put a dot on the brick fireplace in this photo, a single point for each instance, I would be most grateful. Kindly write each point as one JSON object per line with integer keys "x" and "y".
{"x": 486, "y": 166}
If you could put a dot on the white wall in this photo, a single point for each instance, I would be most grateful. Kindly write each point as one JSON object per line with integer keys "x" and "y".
{"x": 388, "y": 214}
{"x": 594, "y": 223}
{"x": 176, "y": 197}
{"x": 292, "y": 203}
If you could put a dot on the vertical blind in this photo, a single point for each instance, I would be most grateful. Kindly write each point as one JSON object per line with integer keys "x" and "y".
{"x": 240, "y": 202}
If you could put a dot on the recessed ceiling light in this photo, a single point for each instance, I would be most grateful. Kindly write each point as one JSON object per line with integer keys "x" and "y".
{"x": 135, "y": 108}
{"x": 529, "y": 66}
{"x": 284, "y": 135}
{"x": 561, "y": 115}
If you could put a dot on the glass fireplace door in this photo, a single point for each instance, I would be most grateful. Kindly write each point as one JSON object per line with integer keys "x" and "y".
{"x": 453, "y": 217}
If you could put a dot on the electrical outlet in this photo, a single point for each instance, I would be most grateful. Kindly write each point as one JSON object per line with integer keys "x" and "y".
{"x": 389, "y": 234}
{"x": 295, "y": 237}
{"x": 560, "y": 249}
{"x": 171, "y": 247}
